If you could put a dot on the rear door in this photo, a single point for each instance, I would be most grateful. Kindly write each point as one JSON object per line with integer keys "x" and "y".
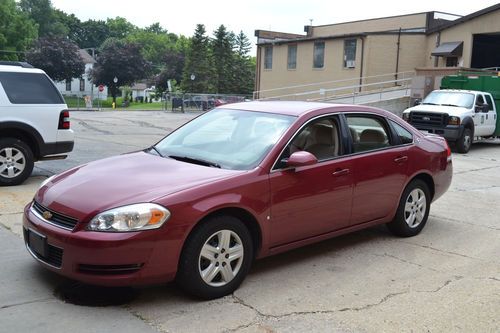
{"x": 491, "y": 116}
{"x": 379, "y": 164}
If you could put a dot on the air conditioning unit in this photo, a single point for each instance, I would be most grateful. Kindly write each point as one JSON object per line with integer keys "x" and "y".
{"x": 350, "y": 64}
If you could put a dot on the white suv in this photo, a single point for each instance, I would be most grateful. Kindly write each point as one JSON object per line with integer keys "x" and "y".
{"x": 34, "y": 121}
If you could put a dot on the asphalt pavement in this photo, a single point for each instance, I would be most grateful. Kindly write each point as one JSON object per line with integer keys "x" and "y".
{"x": 446, "y": 279}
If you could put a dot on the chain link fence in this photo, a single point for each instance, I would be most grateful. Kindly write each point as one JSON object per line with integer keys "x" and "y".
{"x": 200, "y": 102}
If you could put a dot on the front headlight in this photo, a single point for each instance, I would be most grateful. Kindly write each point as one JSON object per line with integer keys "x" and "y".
{"x": 406, "y": 116}
{"x": 454, "y": 120}
{"x": 136, "y": 217}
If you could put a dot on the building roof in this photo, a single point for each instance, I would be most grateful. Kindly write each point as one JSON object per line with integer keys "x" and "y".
{"x": 465, "y": 18}
{"x": 86, "y": 57}
{"x": 449, "y": 49}
{"x": 139, "y": 86}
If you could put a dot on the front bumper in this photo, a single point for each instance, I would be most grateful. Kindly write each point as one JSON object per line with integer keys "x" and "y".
{"x": 449, "y": 132}
{"x": 101, "y": 258}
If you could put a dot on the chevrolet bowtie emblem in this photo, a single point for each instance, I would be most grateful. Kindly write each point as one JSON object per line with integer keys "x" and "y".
{"x": 47, "y": 215}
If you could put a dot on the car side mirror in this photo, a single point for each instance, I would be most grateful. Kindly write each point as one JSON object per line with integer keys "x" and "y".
{"x": 486, "y": 108}
{"x": 417, "y": 102}
{"x": 301, "y": 158}
{"x": 478, "y": 108}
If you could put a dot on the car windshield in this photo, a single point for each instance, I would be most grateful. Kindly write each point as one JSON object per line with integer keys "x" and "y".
{"x": 450, "y": 98}
{"x": 225, "y": 138}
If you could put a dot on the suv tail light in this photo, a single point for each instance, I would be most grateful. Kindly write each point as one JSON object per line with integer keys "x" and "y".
{"x": 448, "y": 152}
{"x": 64, "y": 120}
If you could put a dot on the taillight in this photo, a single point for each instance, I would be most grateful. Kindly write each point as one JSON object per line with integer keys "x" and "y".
{"x": 448, "y": 152}
{"x": 64, "y": 120}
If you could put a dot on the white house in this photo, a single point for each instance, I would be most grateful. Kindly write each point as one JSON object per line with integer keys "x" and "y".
{"x": 83, "y": 87}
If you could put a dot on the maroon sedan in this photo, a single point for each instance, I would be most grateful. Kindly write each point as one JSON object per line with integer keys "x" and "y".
{"x": 240, "y": 182}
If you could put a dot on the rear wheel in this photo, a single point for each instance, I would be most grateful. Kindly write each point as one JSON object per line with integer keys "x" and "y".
{"x": 413, "y": 210}
{"x": 216, "y": 258}
{"x": 463, "y": 143}
{"x": 16, "y": 161}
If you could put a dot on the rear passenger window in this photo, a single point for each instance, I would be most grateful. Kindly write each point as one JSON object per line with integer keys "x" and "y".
{"x": 404, "y": 135}
{"x": 30, "y": 88}
{"x": 367, "y": 133}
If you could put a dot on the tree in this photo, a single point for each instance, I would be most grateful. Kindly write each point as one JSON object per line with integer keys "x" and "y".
{"x": 94, "y": 33}
{"x": 119, "y": 27}
{"x": 58, "y": 57}
{"x": 173, "y": 66}
{"x": 155, "y": 28}
{"x": 153, "y": 45}
{"x": 17, "y": 31}
{"x": 244, "y": 66}
{"x": 199, "y": 63}
{"x": 122, "y": 60}
{"x": 42, "y": 12}
{"x": 222, "y": 50}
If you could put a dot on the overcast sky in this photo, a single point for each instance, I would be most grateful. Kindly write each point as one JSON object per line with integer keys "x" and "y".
{"x": 181, "y": 16}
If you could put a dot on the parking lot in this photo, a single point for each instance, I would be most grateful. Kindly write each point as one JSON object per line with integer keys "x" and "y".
{"x": 446, "y": 279}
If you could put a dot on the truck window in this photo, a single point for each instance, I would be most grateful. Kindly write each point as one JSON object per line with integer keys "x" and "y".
{"x": 30, "y": 88}
{"x": 479, "y": 100}
{"x": 490, "y": 102}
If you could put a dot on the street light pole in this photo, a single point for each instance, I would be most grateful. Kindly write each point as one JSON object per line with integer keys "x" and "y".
{"x": 192, "y": 81}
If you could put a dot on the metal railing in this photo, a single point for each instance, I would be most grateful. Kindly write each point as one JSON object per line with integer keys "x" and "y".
{"x": 200, "y": 102}
{"x": 330, "y": 90}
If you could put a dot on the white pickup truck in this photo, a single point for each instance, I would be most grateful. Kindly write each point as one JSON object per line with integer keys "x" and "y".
{"x": 457, "y": 115}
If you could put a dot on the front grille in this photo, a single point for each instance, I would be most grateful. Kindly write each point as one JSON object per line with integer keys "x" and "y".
{"x": 428, "y": 118}
{"x": 109, "y": 269}
{"x": 54, "y": 255}
{"x": 56, "y": 218}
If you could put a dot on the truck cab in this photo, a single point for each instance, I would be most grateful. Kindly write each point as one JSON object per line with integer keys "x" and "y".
{"x": 457, "y": 115}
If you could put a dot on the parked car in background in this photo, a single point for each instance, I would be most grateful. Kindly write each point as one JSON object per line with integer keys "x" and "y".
{"x": 240, "y": 182}
{"x": 34, "y": 121}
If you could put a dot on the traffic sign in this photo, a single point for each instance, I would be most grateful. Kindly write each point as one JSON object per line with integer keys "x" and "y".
{"x": 101, "y": 88}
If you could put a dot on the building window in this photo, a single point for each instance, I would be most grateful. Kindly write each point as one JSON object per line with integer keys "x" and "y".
{"x": 82, "y": 85}
{"x": 68, "y": 85}
{"x": 292, "y": 56}
{"x": 319, "y": 55}
{"x": 350, "y": 53}
{"x": 268, "y": 57}
{"x": 451, "y": 62}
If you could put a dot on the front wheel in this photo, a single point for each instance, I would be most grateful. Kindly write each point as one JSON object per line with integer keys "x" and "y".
{"x": 16, "y": 161}
{"x": 216, "y": 258}
{"x": 413, "y": 210}
{"x": 463, "y": 143}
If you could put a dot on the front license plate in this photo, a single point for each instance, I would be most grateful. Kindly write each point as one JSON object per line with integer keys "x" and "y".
{"x": 38, "y": 243}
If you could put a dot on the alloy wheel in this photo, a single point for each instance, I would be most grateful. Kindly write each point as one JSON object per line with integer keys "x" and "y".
{"x": 415, "y": 208}
{"x": 12, "y": 162}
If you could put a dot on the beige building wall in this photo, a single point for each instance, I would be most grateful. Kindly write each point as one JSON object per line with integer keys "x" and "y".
{"x": 489, "y": 23}
{"x": 380, "y": 24}
{"x": 320, "y": 78}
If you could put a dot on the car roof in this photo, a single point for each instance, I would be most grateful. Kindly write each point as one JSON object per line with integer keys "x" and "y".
{"x": 463, "y": 90}
{"x": 294, "y": 108}
{"x": 19, "y": 69}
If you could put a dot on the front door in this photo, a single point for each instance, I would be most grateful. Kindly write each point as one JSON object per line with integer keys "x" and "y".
{"x": 311, "y": 200}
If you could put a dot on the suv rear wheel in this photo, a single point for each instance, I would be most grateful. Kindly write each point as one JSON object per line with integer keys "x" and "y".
{"x": 16, "y": 161}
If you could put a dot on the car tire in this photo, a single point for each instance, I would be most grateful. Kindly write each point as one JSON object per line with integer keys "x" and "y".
{"x": 216, "y": 258}
{"x": 413, "y": 210}
{"x": 16, "y": 161}
{"x": 464, "y": 143}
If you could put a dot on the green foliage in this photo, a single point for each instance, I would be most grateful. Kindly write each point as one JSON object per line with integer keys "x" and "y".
{"x": 223, "y": 59}
{"x": 17, "y": 31}
{"x": 198, "y": 62}
{"x": 42, "y": 12}
{"x": 58, "y": 57}
{"x": 119, "y": 27}
{"x": 153, "y": 45}
{"x": 93, "y": 34}
{"x": 244, "y": 66}
{"x": 120, "y": 59}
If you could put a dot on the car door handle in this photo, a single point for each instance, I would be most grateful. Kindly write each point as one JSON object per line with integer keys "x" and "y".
{"x": 340, "y": 172}
{"x": 401, "y": 159}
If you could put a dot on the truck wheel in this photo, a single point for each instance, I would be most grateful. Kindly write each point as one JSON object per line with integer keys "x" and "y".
{"x": 16, "y": 161}
{"x": 463, "y": 144}
{"x": 216, "y": 258}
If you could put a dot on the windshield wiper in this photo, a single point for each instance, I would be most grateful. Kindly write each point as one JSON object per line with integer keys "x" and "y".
{"x": 428, "y": 103}
{"x": 195, "y": 161}
{"x": 156, "y": 150}
{"x": 454, "y": 105}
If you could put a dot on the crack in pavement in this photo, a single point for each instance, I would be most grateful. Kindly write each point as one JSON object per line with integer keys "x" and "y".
{"x": 93, "y": 128}
{"x": 474, "y": 170}
{"x": 27, "y": 302}
{"x": 10, "y": 213}
{"x": 405, "y": 261}
{"x": 151, "y": 323}
{"x": 442, "y": 251}
{"x": 462, "y": 222}
{"x": 384, "y": 299}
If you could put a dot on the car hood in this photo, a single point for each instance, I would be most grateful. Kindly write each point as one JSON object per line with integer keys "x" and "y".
{"x": 438, "y": 108}
{"x": 122, "y": 180}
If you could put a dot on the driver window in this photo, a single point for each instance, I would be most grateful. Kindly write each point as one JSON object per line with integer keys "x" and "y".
{"x": 319, "y": 137}
{"x": 479, "y": 100}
